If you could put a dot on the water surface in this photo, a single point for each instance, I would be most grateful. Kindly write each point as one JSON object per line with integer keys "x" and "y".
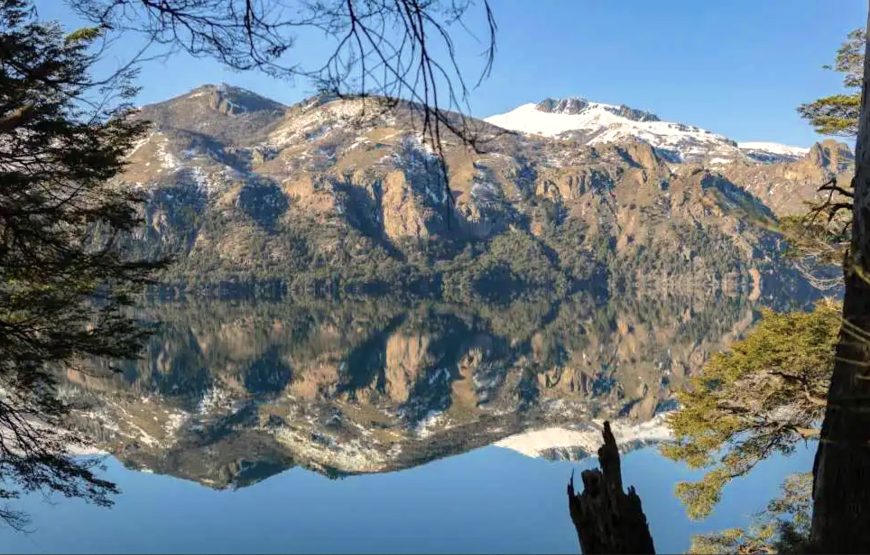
{"x": 488, "y": 500}
{"x": 382, "y": 426}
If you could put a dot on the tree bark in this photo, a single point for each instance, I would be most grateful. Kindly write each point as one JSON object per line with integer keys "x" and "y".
{"x": 606, "y": 518}
{"x": 841, "y": 472}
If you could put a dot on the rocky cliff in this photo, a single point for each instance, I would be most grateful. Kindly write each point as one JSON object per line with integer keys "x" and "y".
{"x": 342, "y": 194}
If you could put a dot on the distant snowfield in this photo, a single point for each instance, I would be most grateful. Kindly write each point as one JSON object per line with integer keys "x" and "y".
{"x": 600, "y": 123}
{"x": 529, "y": 119}
{"x": 535, "y": 443}
{"x": 774, "y": 148}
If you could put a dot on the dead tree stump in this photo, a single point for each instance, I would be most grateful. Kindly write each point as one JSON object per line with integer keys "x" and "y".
{"x": 606, "y": 518}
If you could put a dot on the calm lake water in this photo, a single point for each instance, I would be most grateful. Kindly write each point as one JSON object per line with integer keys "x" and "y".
{"x": 373, "y": 426}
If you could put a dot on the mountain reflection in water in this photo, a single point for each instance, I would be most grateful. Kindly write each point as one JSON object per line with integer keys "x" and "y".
{"x": 229, "y": 393}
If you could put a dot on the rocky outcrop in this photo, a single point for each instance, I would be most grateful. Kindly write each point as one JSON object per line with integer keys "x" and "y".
{"x": 573, "y": 105}
{"x": 342, "y": 194}
{"x": 787, "y": 187}
{"x": 562, "y": 106}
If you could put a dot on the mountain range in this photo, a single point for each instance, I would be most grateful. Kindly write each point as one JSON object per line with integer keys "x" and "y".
{"x": 563, "y": 277}
{"x": 340, "y": 194}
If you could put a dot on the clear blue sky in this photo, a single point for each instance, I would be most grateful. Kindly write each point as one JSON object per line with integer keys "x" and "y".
{"x": 737, "y": 67}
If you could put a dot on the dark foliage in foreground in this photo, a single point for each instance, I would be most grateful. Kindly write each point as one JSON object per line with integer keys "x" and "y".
{"x": 63, "y": 279}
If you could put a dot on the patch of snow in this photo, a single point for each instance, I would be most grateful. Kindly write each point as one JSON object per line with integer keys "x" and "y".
{"x": 322, "y": 450}
{"x": 174, "y": 423}
{"x": 236, "y": 107}
{"x": 203, "y": 183}
{"x": 359, "y": 141}
{"x": 167, "y": 159}
{"x": 771, "y": 153}
{"x": 439, "y": 373}
{"x": 529, "y": 119}
{"x": 138, "y": 144}
{"x": 600, "y": 123}
{"x": 534, "y": 443}
{"x": 719, "y": 161}
{"x": 427, "y": 423}
{"x": 774, "y": 148}
{"x": 213, "y": 400}
{"x": 85, "y": 451}
{"x": 316, "y": 121}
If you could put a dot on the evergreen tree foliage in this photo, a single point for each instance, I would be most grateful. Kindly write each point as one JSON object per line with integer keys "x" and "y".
{"x": 760, "y": 397}
{"x": 783, "y": 527}
{"x": 837, "y": 114}
{"x": 63, "y": 279}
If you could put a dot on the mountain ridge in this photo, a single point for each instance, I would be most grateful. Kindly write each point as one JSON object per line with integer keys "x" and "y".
{"x": 342, "y": 194}
{"x": 593, "y": 122}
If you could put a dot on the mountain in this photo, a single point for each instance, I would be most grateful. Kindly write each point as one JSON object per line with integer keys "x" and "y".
{"x": 336, "y": 194}
{"x": 568, "y": 280}
{"x": 228, "y": 393}
{"x": 595, "y": 122}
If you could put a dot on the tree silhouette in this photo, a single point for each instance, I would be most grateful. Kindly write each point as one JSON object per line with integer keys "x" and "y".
{"x": 841, "y": 491}
{"x": 64, "y": 281}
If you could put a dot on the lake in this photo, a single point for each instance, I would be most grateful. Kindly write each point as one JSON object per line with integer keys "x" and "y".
{"x": 381, "y": 425}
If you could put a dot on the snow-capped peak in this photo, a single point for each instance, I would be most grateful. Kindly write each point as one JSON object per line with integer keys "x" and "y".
{"x": 772, "y": 152}
{"x": 576, "y": 105}
{"x": 553, "y": 118}
{"x": 596, "y": 122}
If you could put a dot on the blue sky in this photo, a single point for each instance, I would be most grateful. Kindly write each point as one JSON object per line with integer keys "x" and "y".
{"x": 737, "y": 67}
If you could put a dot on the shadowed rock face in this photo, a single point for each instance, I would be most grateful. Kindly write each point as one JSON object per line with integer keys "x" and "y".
{"x": 229, "y": 393}
{"x": 343, "y": 191}
{"x": 562, "y": 106}
{"x": 573, "y": 106}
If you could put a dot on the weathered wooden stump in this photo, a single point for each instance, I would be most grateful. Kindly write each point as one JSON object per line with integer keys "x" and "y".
{"x": 606, "y": 518}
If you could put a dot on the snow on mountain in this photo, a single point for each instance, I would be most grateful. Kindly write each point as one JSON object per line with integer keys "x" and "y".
{"x": 596, "y": 122}
{"x": 544, "y": 443}
{"x": 553, "y": 118}
{"x": 772, "y": 152}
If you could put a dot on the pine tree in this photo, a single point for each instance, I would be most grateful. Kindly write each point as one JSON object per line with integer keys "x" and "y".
{"x": 762, "y": 396}
{"x": 783, "y": 527}
{"x": 837, "y": 114}
{"x": 64, "y": 281}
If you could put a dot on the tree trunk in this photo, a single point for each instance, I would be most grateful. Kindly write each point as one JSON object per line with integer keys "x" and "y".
{"x": 607, "y": 520}
{"x": 841, "y": 472}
